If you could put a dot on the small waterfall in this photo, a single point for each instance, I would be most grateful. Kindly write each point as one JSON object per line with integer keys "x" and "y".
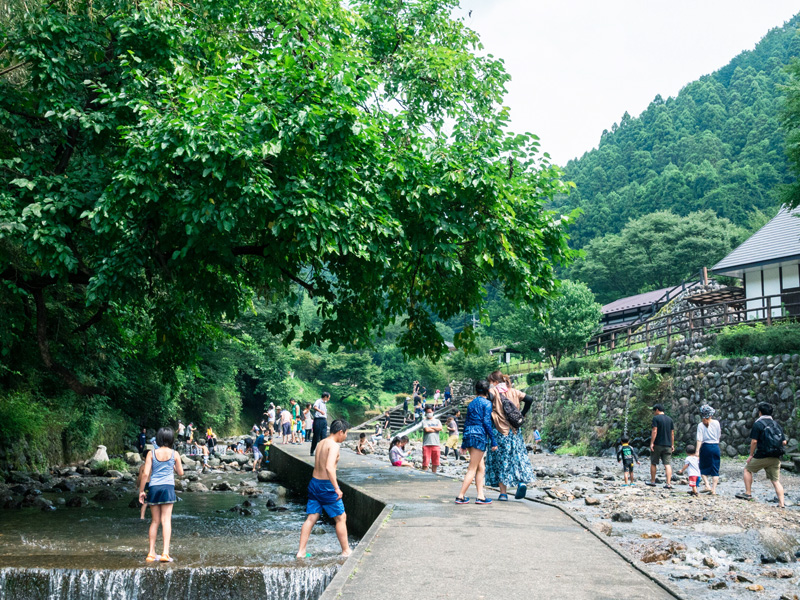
{"x": 218, "y": 583}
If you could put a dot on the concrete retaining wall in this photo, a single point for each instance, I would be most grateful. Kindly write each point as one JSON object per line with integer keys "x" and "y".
{"x": 362, "y": 508}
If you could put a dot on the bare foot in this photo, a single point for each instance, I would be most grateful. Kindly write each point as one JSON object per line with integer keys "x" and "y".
{"x": 346, "y": 553}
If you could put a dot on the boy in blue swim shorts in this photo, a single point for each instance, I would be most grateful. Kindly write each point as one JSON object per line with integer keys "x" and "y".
{"x": 323, "y": 489}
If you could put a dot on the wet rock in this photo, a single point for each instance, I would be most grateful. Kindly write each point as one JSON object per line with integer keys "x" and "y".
{"x": 621, "y": 517}
{"x": 767, "y": 560}
{"x": 249, "y": 491}
{"x": 19, "y": 477}
{"x": 222, "y": 486}
{"x": 281, "y": 491}
{"x": 43, "y": 504}
{"x": 18, "y": 489}
{"x": 113, "y": 473}
{"x": 662, "y": 553}
{"x": 267, "y": 476}
{"x": 710, "y": 562}
{"x": 271, "y": 503}
{"x": 279, "y": 509}
{"x": 11, "y": 504}
{"x": 780, "y": 574}
{"x": 60, "y": 501}
{"x": 743, "y": 578}
{"x": 104, "y": 496}
{"x": 179, "y": 485}
{"x": 77, "y": 502}
{"x": 188, "y": 462}
{"x": 590, "y": 501}
{"x": 65, "y": 486}
{"x": 776, "y": 542}
{"x": 718, "y": 585}
{"x": 785, "y": 557}
{"x": 191, "y": 476}
{"x": 196, "y": 486}
{"x": 318, "y": 531}
{"x": 247, "y": 504}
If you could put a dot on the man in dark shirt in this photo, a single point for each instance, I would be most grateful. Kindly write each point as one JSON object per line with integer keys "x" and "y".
{"x": 142, "y": 440}
{"x": 662, "y": 445}
{"x": 766, "y": 448}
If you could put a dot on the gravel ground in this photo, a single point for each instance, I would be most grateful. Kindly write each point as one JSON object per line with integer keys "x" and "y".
{"x": 717, "y": 546}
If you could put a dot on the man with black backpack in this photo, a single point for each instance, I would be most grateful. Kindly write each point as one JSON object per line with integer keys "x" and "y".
{"x": 766, "y": 448}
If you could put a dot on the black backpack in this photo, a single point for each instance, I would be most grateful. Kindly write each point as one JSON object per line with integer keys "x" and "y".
{"x": 771, "y": 441}
{"x": 513, "y": 414}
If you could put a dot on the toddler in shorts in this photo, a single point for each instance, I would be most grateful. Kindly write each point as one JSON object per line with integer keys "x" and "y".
{"x": 692, "y": 466}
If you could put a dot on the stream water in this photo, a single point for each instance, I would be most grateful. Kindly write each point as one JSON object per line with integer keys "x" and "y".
{"x": 97, "y": 552}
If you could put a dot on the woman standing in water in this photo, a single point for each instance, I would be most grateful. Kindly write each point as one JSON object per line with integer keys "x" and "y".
{"x": 159, "y": 470}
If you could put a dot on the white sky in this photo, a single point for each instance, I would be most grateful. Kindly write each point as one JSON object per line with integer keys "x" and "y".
{"x": 578, "y": 65}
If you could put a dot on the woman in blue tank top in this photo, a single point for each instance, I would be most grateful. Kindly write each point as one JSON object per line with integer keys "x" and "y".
{"x": 159, "y": 470}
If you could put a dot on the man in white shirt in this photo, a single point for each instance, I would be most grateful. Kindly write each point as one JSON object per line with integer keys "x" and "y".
{"x": 271, "y": 418}
{"x": 320, "y": 426}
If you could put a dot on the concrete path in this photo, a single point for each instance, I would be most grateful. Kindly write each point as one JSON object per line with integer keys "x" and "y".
{"x": 431, "y": 548}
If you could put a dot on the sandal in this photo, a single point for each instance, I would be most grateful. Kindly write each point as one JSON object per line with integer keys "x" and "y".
{"x": 503, "y": 497}
{"x": 166, "y": 558}
{"x": 463, "y": 500}
{"x": 650, "y": 483}
{"x": 152, "y": 558}
{"x": 522, "y": 489}
{"x": 744, "y": 496}
{"x": 483, "y": 501}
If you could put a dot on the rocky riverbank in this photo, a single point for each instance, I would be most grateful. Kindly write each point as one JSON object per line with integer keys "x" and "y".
{"x": 709, "y": 545}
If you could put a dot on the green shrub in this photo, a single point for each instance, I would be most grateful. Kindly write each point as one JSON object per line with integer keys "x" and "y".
{"x": 758, "y": 339}
{"x": 582, "y": 366}
{"x": 115, "y": 464}
{"x": 579, "y": 449}
{"x": 534, "y": 377}
{"x": 21, "y": 415}
{"x": 399, "y": 398}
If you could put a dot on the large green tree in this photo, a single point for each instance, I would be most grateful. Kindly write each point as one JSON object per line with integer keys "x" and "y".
{"x": 655, "y": 251}
{"x": 164, "y": 163}
{"x": 573, "y": 318}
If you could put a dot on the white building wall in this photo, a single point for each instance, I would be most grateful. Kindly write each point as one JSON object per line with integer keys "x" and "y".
{"x": 791, "y": 276}
{"x": 752, "y": 289}
{"x": 772, "y": 288}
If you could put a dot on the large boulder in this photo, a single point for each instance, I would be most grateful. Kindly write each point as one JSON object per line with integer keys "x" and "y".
{"x": 267, "y": 476}
{"x": 196, "y": 486}
{"x": 77, "y": 502}
{"x": 133, "y": 459}
{"x": 188, "y": 462}
{"x": 65, "y": 486}
{"x": 100, "y": 456}
{"x": 19, "y": 477}
{"x": 222, "y": 486}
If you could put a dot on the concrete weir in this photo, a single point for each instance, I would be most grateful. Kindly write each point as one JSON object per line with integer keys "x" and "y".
{"x": 418, "y": 544}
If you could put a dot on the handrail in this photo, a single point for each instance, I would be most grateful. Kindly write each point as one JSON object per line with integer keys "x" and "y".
{"x": 416, "y": 425}
{"x": 728, "y": 312}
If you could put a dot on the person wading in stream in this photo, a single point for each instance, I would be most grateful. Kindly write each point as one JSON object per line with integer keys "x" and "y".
{"x": 320, "y": 426}
{"x": 324, "y": 492}
{"x": 159, "y": 470}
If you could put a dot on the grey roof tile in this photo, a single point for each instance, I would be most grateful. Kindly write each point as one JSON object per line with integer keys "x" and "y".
{"x": 776, "y": 241}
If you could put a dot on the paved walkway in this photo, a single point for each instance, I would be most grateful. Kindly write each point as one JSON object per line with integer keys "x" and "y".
{"x": 431, "y": 548}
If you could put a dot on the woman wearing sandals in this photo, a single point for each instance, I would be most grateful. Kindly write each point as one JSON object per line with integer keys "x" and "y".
{"x": 708, "y": 436}
{"x": 159, "y": 470}
{"x": 477, "y": 436}
{"x": 510, "y": 465}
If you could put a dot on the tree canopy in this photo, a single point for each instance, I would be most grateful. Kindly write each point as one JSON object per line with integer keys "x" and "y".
{"x": 717, "y": 145}
{"x": 655, "y": 251}
{"x": 164, "y": 165}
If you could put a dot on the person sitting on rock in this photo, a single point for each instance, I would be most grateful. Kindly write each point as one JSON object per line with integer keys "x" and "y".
{"x": 364, "y": 444}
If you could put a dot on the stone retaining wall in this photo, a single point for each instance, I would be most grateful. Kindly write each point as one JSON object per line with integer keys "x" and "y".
{"x": 732, "y": 386}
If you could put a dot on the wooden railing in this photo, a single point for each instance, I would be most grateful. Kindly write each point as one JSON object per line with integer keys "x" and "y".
{"x": 695, "y": 321}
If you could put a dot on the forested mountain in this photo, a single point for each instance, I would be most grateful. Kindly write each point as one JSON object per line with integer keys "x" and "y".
{"x": 718, "y": 145}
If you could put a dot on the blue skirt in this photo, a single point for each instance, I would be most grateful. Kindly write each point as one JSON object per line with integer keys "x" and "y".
{"x": 509, "y": 464}
{"x": 161, "y": 494}
{"x": 474, "y": 439}
{"x": 709, "y": 460}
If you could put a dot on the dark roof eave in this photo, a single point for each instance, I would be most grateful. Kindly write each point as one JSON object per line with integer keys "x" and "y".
{"x": 763, "y": 263}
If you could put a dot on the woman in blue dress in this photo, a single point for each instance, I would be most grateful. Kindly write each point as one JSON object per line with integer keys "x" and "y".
{"x": 478, "y": 436}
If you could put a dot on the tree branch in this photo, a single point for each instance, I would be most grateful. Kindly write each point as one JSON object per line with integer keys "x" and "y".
{"x": 93, "y": 320}
{"x": 44, "y": 350}
{"x": 13, "y": 67}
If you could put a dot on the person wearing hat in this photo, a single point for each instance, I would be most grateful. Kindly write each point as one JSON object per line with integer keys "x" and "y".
{"x": 662, "y": 445}
{"x": 708, "y": 436}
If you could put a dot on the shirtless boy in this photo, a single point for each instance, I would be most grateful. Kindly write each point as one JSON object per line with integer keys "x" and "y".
{"x": 323, "y": 489}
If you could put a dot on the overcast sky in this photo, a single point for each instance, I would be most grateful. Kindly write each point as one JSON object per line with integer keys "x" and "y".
{"x": 578, "y": 65}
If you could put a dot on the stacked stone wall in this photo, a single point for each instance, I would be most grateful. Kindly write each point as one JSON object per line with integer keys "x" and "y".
{"x": 732, "y": 386}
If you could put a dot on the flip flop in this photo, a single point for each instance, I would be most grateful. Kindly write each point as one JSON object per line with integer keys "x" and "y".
{"x": 165, "y": 558}
{"x": 743, "y": 496}
{"x": 522, "y": 489}
{"x": 152, "y": 558}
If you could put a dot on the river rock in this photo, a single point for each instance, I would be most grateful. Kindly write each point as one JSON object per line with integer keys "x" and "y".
{"x": 271, "y": 501}
{"x": 20, "y": 477}
{"x": 196, "y": 486}
{"x": 591, "y": 501}
{"x": 755, "y": 588}
{"x": 188, "y": 462}
{"x": 281, "y": 491}
{"x": 133, "y": 459}
{"x": 785, "y": 557}
{"x": 65, "y": 486}
{"x": 191, "y": 476}
{"x": 104, "y": 496}
{"x": 776, "y": 542}
{"x": 710, "y": 562}
{"x": 222, "y": 486}
{"x": 100, "y": 456}
{"x": 718, "y": 585}
{"x": 113, "y": 473}
{"x": 780, "y": 574}
{"x": 77, "y": 502}
{"x": 621, "y": 517}
{"x": 267, "y": 476}
{"x": 249, "y": 491}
